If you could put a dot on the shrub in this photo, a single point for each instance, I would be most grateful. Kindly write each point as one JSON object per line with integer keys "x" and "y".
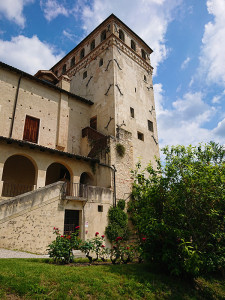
{"x": 180, "y": 208}
{"x": 61, "y": 248}
{"x": 117, "y": 222}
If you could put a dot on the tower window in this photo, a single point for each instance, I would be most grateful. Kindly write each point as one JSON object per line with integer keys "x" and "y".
{"x": 82, "y": 53}
{"x": 140, "y": 136}
{"x": 103, "y": 35}
{"x": 64, "y": 69}
{"x": 131, "y": 112}
{"x": 84, "y": 74}
{"x": 121, "y": 35}
{"x": 72, "y": 63}
{"x": 133, "y": 45}
{"x": 56, "y": 73}
{"x": 150, "y": 126}
{"x": 145, "y": 79}
{"x": 143, "y": 54}
{"x": 92, "y": 47}
{"x": 101, "y": 62}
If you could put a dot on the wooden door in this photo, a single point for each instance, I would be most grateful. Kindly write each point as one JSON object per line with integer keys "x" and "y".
{"x": 31, "y": 129}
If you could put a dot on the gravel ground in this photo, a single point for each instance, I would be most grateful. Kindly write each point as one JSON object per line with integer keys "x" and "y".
{"x": 4, "y": 253}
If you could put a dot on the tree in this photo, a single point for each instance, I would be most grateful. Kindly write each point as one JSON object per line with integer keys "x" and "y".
{"x": 180, "y": 209}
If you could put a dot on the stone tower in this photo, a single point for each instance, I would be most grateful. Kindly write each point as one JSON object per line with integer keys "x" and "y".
{"x": 112, "y": 67}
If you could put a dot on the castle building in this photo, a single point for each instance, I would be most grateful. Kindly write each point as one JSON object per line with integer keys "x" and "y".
{"x": 69, "y": 137}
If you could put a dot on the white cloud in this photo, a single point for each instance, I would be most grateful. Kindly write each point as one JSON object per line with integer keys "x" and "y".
{"x": 69, "y": 35}
{"x": 213, "y": 55}
{"x": 216, "y": 99}
{"x": 53, "y": 9}
{"x": 13, "y": 10}
{"x": 28, "y": 54}
{"x": 148, "y": 18}
{"x": 184, "y": 122}
{"x": 185, "y": 63}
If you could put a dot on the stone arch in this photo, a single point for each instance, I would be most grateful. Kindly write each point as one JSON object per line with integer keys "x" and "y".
{"x": 57, "y": 172}
{"x": 86, "y": 178}
{"x": 19, "y": 175}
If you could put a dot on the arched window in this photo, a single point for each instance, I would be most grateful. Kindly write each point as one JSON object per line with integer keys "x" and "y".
{"x": 133, "y": 45}
{"x": 64, "y": 69}
{"x": 92, "y": 47}
{"x": 82, "y": 53}
{"x": 101, "y": 62}
{"x": 143, "y": 54}
{"x": 72, "y": 63}
{"x": 103, "y": 35}
{"x": 121, "y": 35}
{"x": 145, "y": 79}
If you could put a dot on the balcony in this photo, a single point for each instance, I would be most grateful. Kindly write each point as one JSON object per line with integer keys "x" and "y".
{"x": 83, "y": 192}
{"x": 14, "y": 189}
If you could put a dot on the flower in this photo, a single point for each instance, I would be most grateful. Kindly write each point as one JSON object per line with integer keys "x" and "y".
{"x": 143, "y": 239}
{"x": 62, "y": 236}
{"x": 54, "y": 228}
{"x": 68, "y": 237}
{"x": 128, "y": 248}
{"x": 77, "y": 227}
{"x": 103, "y": 236}
{"x": 103, "y": 246}
{"x": 119, "y": 238}
{"x": 97, "y": 233}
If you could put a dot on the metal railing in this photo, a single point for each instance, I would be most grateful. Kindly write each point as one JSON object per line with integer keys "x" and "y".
{"x": 76, "y": 190}
{"x": 14, "y": 189}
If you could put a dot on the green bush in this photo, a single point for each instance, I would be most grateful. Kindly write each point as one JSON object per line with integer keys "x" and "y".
{"x": 117, "y": 222}
{"x": 120, "y": 150}
{"x": 180, "y": 208}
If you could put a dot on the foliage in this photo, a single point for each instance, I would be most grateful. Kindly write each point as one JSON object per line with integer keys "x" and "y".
{"x": 61, "y": 248}
{"x": 95, "y": 248}
{"x": 131, "y": 281}
{"x": 117, "y": 222}
{"x": 120, "y": 150}
{"x": 180, "y": 208}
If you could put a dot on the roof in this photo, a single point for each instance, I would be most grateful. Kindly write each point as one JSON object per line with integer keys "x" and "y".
{"x": 88, "y": 36}
{"x": 52, "y": 86}
{"x": 46, "y": 149}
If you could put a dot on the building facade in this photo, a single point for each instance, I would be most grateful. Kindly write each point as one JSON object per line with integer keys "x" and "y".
{"x": 69, "y": 137}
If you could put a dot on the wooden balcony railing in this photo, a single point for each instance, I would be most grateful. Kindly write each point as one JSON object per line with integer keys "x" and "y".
{"x": 14, "y": 189}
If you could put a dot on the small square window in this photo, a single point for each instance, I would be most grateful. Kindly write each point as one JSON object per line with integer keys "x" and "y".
{"x": 84, "y": 74}
{"x": 100, "y": 208}
{"x": 150, "y": 126}
{"x": 131, "y": 112}
{"x": 140, "y": 136}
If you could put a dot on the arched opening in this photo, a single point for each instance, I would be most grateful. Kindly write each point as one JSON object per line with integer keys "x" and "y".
{"x": 143, "y": 54}
{"x": 19, "y": 176}
{"x": 85, "y": 180}
{"x": 57, "y": 172}
{"x": 92, "y": 47}
{"x": 64, "y": 69}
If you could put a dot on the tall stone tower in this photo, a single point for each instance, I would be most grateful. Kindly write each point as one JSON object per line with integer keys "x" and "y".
{"x": 112, "y": 67}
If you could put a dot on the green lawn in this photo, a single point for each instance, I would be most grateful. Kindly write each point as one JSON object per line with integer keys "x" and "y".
{"x": 37, "y": 279}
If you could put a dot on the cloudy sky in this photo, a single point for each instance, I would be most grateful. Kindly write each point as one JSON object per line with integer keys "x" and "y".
{"x": 187, "y": 36}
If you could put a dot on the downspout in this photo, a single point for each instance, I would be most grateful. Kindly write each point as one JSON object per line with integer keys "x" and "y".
{"x": 15, "y": 104}
{"x": 114, "y": 183}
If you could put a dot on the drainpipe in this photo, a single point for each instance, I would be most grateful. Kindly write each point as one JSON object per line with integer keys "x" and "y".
{"x": 114, "y": 183}
{"x": 15, "y": 104}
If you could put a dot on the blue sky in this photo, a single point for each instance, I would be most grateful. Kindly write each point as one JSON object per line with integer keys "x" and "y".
{"x": 187, "y": 36}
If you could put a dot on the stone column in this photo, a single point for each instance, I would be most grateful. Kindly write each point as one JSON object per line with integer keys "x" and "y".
{"x": 1, "y": 182}
{"x": 41, "y": 176}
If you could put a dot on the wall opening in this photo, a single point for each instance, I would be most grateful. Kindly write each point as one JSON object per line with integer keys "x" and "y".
{"x": 19, "y": 176}
{"x": 71, "y": 221}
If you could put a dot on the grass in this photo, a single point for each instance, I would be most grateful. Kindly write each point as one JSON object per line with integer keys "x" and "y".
{"x": 37, "y": 279}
